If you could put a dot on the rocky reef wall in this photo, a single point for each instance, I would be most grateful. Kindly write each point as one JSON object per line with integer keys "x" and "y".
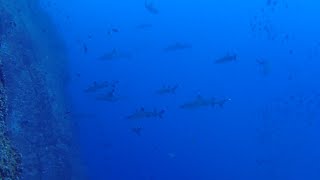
{"x": 35, "y": 134}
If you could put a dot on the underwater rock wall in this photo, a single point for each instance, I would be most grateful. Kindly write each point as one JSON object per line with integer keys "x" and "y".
{"x": 35, "y": 134}
{"x": 10, "y": 159}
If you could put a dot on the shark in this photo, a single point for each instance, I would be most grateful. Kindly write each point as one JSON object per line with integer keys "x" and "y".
{"x": 143, "y": 114}
{"x": 226, "y": 58}
{"x": 95, "y": 86}
{"x": 221, "y": 102}
{"x": 109, "y": 96}
{"x": 151, "y": 7}
{"x": 200, "y": 101}
{"x": 167, "y": 90}
{"x": 114, "y": 54}
{"x": 177, "y": 46}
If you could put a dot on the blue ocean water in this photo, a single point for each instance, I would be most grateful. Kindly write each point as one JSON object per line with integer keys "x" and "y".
{"x": 194, "y": 90}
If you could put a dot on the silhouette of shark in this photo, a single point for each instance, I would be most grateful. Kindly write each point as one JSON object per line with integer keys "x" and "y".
{"x": 151, "y": 7}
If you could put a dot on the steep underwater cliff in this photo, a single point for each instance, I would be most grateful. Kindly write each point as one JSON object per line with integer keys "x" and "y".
{"x": 35, "y": 134}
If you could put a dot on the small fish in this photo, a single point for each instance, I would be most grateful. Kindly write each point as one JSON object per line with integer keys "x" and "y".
{"x": 167, "y": 90}
{"x": 114, "y": 55}
{"x": 97, "y": 86}
{"x": 226, "y": 59}
{"x": 142, "y": 114}
{"x": 177, "y": 46}
{"x": 137, "y": 130}
{"x": 151, "y": 7}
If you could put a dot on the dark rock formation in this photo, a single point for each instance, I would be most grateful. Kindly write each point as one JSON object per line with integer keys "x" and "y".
{"x": 35, "y": 136}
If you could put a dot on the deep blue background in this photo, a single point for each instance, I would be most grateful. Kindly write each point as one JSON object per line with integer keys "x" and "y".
{"x": 270, "y": 128}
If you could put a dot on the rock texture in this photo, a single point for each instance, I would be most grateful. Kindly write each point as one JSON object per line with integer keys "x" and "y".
{"x": 35, "y": 134}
